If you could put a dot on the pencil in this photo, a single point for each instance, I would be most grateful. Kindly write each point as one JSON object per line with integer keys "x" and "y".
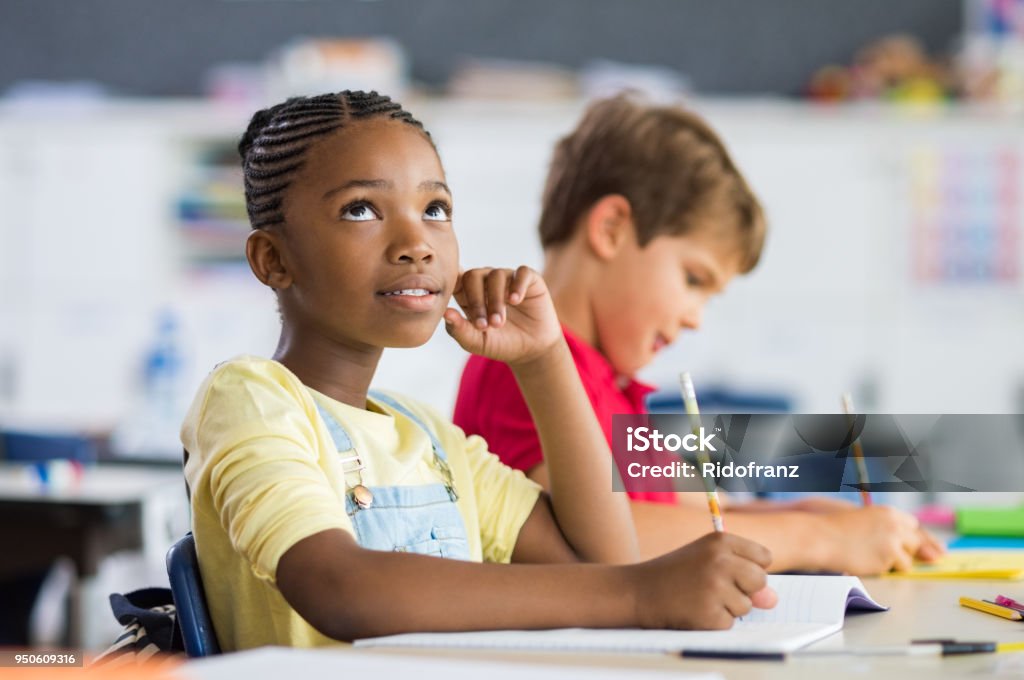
{"x": 690, "y": 400}
{"x": 951, "y": 648}
{"x": 858, "y": 454}
{"x": 991, "y": 608}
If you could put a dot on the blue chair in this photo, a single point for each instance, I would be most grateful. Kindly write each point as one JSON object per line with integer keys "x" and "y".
{"x": 190, "y": 599}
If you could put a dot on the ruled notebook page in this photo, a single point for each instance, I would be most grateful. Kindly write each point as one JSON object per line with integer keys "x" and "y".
{"x": 810, "y": 608}
{"x": 813, "y": 599}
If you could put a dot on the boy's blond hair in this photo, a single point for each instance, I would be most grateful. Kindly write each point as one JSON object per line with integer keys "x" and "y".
{"x": 668, "y": 163}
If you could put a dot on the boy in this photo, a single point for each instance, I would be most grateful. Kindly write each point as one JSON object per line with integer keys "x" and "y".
{"x": 645, "y": 217}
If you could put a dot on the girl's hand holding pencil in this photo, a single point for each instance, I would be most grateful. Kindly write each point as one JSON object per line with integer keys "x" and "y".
{"x": 705, "y": 584}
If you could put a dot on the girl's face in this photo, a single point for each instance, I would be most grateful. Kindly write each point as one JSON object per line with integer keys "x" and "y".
{"x": 368, "y": 238}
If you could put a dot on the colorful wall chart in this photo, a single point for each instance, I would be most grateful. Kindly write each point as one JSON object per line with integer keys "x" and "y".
{"x": 966, "y": 215}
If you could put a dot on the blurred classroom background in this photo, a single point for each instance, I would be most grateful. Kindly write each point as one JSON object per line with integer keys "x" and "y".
{"x": 884, "y": 137}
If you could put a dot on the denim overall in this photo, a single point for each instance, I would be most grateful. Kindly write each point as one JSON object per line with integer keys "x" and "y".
{"x": 419, "y": 519}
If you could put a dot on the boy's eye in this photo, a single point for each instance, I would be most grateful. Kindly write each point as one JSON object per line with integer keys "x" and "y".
{"x": 438, "y": 212}
{"x": 694, "y": 280}
{"x": 358, "y": 212}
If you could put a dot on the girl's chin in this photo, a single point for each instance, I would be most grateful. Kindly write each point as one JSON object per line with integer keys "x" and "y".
{"x": 412, "y": 337}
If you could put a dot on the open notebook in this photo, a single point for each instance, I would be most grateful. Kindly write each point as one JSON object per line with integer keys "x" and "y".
{"x": 809, "y": 608}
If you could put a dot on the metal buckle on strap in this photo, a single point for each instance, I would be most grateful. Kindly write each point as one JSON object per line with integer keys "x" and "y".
{"x": 446, "y": 472}
{"x": 350, "y": 459}
{"x": 361, "y": 495}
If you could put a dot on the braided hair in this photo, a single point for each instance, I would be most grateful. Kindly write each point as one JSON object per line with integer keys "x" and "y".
{"x": 274, "y": 145}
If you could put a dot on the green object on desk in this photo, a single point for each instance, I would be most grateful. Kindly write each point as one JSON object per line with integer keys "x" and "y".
{"x": 990, "y": 521}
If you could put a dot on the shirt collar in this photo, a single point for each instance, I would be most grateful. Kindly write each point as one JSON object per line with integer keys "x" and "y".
{"x": 595, "y": 364}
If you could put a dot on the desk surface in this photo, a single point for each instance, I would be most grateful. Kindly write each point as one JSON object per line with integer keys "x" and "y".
{"x": 919, "y": 609}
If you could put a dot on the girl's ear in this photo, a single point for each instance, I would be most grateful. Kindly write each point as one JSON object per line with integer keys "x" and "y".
{"x": 608, "y": 224}
{"x": 266, "y": 259}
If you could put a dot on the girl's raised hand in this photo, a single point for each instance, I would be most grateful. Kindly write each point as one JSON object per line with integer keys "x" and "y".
{"x": 509, "y": 315}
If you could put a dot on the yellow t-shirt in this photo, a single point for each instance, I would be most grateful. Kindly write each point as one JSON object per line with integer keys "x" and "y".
{"x": 264, "y": 474}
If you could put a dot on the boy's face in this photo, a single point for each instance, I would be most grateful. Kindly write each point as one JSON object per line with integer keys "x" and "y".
{"x": 368, "y": 238}
{"x": 648, "y": 295}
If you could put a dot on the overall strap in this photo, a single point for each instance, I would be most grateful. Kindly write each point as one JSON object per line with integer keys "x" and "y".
{"x": 339, "y": 436}
{"x": 393, "y": 403}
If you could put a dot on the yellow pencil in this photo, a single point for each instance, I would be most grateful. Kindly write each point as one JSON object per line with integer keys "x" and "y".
{"x": 858, "y": 455}
{"x": 690, "y": 400}
{"x": 990, "y": 608}
{"x": 1010, "y": 647}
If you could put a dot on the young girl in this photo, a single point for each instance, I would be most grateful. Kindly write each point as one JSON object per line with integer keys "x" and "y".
{"x": 320, "y": 509}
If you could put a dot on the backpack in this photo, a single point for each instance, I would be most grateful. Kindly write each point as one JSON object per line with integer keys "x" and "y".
{"x": 150, "y": 629}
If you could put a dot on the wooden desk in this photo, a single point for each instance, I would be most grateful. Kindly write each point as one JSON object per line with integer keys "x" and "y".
{"x": 86, "y": 522}
{"x": 919, "y": 609}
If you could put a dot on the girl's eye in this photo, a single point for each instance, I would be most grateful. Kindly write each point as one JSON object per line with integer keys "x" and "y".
{"x": 358, "y": 212}
{"x": 694, "y": 280}
{"x": 438, "y": 212}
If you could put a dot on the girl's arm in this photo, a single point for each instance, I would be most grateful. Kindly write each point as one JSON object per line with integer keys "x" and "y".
{"x": 510, "y": 317}
{"x": 347, "y": 592}
{"x": 595, "y": 520}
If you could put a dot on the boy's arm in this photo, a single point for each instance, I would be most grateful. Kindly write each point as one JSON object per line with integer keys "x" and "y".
{"x": 347, "y": 592}
{"x": 847, "y": 538}
{"x": 861, "y": 541}
{"x": 510, "y": 317}
{"x": 807, "y": 504}
{"x": 795, "y": 544}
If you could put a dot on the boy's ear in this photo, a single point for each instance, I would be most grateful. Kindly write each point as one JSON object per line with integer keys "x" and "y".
{"x": 609, "y": 223}
{"x": 263, "y": 250}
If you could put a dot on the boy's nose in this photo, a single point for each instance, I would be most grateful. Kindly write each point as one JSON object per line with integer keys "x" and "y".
{"x": 692, "y": 318}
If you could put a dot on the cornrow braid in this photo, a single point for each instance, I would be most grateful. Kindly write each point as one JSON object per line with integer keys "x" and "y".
{"x": 274, "y": 145}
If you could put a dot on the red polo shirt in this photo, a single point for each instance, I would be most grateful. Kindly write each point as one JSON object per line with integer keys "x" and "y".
{"x": 490, "y": 405}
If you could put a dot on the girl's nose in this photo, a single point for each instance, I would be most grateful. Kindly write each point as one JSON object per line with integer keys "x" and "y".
{"x": 409, "y": 243}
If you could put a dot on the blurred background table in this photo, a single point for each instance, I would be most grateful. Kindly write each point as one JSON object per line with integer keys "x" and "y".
{"x": 110, "y": 508}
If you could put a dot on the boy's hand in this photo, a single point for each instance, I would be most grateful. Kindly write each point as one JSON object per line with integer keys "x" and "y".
{"x": 819, "y": 504}
{"x": 509, "y": 314}
{"x": 877, "y": 539}
{"x": 705, "y": 584}
{"x": 931, "y": 548}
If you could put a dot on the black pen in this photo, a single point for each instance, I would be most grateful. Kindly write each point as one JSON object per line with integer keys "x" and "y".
{"x": 735, "y": 656}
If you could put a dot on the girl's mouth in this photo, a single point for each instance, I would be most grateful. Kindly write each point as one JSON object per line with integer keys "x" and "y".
{"x": 660, "y": 342}
{"x": 413, "y": 292}
{"x": 411, "y": 299}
